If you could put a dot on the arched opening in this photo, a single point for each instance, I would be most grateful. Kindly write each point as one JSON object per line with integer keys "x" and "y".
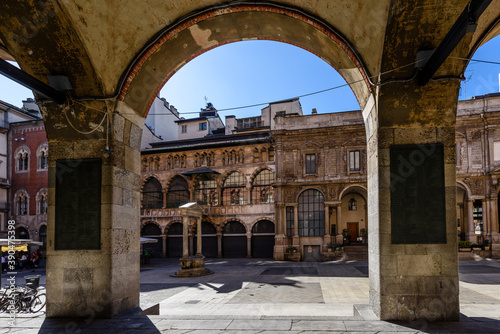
{"x": 311, "y": 213}
{"x": 234, "y": 240}
{"x": 354, "y": 216}
{"x": 152, "y": 231}
{"x": 174, "y": 240}
{"x": 178, "y": 192}
{"x": 22, "y": 233}
{"x": 262, "y": 191}
{"x": 206, "y": 191}
{"x": 234, "y": 191}
{"x": 152, "y": 195}
{"x": 263, "y": 239}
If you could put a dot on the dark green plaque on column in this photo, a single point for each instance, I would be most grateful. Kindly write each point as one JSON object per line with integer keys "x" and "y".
{"x": 78, "y": 204}
{"x": 418, "y": 212}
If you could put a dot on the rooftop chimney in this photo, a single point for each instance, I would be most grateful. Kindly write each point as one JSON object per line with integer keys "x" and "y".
{"x": 314, "y": 112}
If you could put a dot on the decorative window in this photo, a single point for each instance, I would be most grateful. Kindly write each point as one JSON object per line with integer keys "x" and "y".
{"x": 22, "y": 202}
{"x": 262, "y": 192}
{"x": 311, "y": 213}
{"x": 178, "y": 192}
{"x": 203, "y": 126}
{"x": 43, "y": 156}
{"x": 234, "y": 192}
{"x": 22, "y": 159}
{"x": 310, "y": 163}
{"x": 184, "y": 128}
{"x": 41, "y": 201}
{"x": 206, "y": 192}
{"x": 289, "y": 221}
{"x": 354, "y": 164}
{"x": 152, "y": 196}
{"x": 352, "y": 205}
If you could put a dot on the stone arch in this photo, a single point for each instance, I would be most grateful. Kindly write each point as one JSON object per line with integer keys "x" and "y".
{"x": 356, "y": 188}
{"x": 254, "y": 222}
{"x": 465, "y": 187}
{"x": 169, "y": 224}
{"x": 223, "y": 225}
{"x": 258, "y": 170}
{"x": 200, "y": 32}
{"x": 149, "y": 177}
{"x": 151, "y": 222}
{"x": 297, "y": 196}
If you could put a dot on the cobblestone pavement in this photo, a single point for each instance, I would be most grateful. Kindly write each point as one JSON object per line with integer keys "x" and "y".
{"x": 261, "y": 296}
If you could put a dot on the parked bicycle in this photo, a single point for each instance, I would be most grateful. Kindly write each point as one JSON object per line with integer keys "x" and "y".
{"x": 29, "y": 298}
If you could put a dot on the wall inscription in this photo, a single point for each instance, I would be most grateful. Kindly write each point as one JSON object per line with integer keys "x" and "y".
{"x": 418, "y": 212}
{"x": 78, "y": 204}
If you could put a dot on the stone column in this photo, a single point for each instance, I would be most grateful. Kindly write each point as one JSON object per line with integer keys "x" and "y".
{"x": 219, "y": 244}
{"x": 296, "y": 238}
{"x": 164, "y": 199}
{"x": 413, "y": 273}
{"x": 104, "y": 281}
{"x": 340, "y": 234}
{"x": 191, "y": 244}
{"x": 164, "y": 245}
{"x": 327, "y": 239}
{"x": 199, "y": 240}
{"x": 185, "y": 236}
{"x": 470, "y": 222}
{"x": 249, "y": 245}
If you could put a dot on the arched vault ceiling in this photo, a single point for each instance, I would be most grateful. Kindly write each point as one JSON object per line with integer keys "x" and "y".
{"x": 95, "y": 41}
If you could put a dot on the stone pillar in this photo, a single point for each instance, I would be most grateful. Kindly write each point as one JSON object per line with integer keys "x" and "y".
{"x": 164, "y": 245}
{"x": 199, "y": 240}
{"x": 219, "y": 244}
{"x": 494, "y": 214}
{"x": 249, "y": 245}
{"x": 164, "y": 199}
{"x": 470, "y": 220}
{"x": 191, "y": 244}
{"x": 413, "y": 273}
{"x": 340, "y": 235}
{"x": 327, "y": 239}
{"x": 103, "y": 281}
{"x": 296, "y": 238}
{"x": 185, "y": 236}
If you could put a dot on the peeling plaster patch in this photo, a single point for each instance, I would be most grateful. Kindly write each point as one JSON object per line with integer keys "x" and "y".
{"x": 201, "y": 36}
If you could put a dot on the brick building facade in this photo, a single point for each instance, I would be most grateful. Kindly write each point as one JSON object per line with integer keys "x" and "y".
{"x": 318, "y": 182}
{"x": 29, "y": 168}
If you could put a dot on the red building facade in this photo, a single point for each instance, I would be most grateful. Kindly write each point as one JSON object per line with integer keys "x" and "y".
{"x": 29, "y": 171}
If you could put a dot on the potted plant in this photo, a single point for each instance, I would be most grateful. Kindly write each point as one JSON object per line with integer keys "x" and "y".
{"x": 330, "y": 247}
{"x": 486, "y": 245}
{"x": 464, "y": 246}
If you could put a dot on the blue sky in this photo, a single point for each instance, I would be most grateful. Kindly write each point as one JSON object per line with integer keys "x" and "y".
{"x": 252, "y": 72}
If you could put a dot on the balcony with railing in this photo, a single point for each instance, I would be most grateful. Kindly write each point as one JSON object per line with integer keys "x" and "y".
{"x": 176, "y": 214}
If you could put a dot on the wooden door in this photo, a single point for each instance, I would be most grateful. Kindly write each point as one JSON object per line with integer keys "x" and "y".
{"x": 353, "y": 229}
